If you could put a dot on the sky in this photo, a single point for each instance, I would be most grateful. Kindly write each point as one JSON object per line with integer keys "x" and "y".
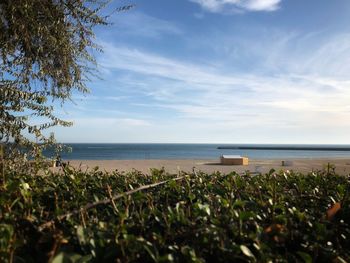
{"x": 218, "y": 71}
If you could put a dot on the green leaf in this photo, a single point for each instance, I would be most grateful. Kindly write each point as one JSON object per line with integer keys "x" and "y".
{"x": 61, "y": 258}
{"x": 305, "y": 256}
{"x": 81, "y": 235}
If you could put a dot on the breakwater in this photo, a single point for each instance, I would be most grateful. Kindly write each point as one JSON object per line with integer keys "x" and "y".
{"x": 288, "y": 148}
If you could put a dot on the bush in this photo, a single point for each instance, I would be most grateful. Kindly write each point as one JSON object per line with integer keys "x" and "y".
{"x": 200, "y": 218}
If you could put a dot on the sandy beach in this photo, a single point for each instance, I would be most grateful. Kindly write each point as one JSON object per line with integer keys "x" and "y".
{"x": 174, "y": 166}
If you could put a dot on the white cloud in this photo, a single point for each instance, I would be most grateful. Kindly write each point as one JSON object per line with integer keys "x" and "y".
{"x": 293, "y": 91}
{"x": 260, "y": 5}
{"x": 297, "y": 97}
{"x": 155, "y": 65}
{"x": 238, "y": 5}
{"x": 110, "y": 121}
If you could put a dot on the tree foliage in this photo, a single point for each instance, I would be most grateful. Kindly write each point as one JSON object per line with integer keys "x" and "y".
{"x": 46, "y": 52}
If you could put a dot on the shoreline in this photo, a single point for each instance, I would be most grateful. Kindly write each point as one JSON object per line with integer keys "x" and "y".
{"x": 342, "y": 165}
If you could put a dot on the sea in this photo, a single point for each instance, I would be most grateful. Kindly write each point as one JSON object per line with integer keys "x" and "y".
{"x": 144, "y": 151}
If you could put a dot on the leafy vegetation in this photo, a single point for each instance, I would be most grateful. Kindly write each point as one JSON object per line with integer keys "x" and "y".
{"x": 46, "y": 53}
{"x": 197, "y": 218}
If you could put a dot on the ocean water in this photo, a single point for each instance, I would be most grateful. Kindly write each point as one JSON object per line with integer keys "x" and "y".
{"x": 125, "y": 151}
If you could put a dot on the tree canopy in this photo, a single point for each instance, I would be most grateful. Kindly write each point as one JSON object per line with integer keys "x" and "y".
{"x": 46, "y": 52}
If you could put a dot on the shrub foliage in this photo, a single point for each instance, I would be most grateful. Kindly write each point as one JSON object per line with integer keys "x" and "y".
{"x": 200, "y": 218}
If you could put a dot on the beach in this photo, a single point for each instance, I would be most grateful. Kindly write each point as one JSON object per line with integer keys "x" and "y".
{"x": 342, "y": 165}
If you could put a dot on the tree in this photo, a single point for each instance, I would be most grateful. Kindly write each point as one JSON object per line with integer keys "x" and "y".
{"x": 46, "y": 49}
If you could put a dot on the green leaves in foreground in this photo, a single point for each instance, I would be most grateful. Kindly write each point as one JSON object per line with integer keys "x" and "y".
{"x": 200, "y": 218}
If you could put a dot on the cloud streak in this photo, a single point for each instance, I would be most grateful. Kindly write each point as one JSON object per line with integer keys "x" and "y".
{"x": 295, "y": 97}
{"x": 142, "y": 25}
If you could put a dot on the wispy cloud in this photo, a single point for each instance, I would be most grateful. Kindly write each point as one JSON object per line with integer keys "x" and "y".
{"x": 272, "y": 75}
{"x": 143, "y": 25}
{"x": 134, "y": 122}
{"x": 217, "y": 6}
{"x": 292, "y": 97}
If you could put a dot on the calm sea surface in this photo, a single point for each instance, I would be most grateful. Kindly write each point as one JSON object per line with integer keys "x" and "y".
{"x": 124, "y": 151}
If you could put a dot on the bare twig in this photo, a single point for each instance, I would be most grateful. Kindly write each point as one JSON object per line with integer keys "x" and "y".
{"x": 2, "y": 160}
{"x": 109, "y": 190}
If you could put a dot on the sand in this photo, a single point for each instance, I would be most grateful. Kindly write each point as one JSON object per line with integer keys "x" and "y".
{"x": 174, "y": 166}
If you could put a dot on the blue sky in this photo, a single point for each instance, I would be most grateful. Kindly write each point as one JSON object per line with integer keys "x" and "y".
{"x": 219, "y": 71}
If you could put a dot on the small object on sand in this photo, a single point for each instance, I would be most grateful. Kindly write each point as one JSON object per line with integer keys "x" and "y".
{"x": 58, "y": 161}
{"x": 286, "y": 163}
{"x": 258, "y": 169}
{"x": 234, "y": 160}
